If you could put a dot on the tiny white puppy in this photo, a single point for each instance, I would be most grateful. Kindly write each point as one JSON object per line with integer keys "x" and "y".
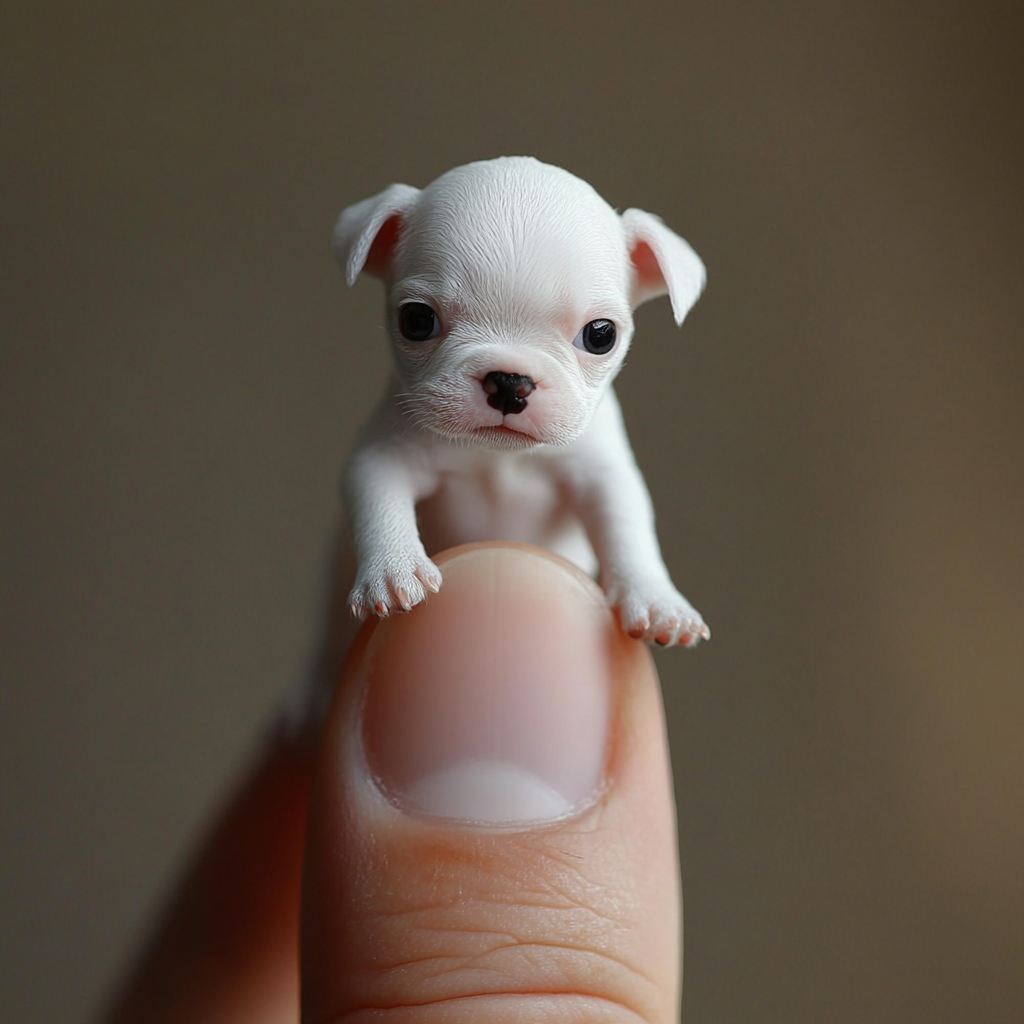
{"x": 510, "y": 289}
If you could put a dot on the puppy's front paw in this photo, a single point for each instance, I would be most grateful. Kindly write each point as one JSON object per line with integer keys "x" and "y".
{"x": 397, "y": 585}
{"x": 658, "y": 613}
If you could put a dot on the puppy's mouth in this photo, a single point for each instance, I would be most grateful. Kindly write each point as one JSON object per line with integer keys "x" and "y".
{"x": 505, "y": 436}
{"x": 504, "y": 428}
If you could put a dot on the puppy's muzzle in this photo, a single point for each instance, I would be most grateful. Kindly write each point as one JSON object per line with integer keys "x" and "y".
{"x": 507, "y": 392}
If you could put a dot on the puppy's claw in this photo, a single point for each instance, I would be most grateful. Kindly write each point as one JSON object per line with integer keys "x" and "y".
{"x": 430, "y": 579}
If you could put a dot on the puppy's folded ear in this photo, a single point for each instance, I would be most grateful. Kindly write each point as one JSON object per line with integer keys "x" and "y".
{"x": 365, "y": 235}
{"x": 662, "y": 262}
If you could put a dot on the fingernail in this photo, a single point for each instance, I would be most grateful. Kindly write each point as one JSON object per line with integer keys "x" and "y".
{"x": 490, "y": 703}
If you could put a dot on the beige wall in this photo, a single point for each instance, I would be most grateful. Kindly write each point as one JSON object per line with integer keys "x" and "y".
{"x": 835, "y": 442}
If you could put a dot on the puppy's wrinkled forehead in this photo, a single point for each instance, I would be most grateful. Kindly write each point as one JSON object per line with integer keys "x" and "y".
{"x": 513, "y": 233}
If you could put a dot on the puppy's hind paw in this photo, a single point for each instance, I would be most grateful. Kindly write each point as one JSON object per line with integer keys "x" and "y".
{"x": 398, "y": 586}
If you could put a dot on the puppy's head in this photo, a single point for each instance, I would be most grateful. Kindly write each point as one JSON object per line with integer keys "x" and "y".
{"x": 510, "y": 290}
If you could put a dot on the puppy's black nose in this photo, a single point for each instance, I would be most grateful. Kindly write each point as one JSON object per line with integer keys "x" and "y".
{"x": 507, "y": 392}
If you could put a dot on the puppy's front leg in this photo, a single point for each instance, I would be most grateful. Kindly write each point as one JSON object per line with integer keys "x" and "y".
{"x": 611, "y": 497}
{"x": 620, "y": 520}
{"x": 381, "y": 486}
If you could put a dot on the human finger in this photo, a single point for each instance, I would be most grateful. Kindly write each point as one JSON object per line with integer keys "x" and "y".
{"x": 492, "y": 832}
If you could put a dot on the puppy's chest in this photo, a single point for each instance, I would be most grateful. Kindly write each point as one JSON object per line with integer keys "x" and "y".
{"x": 491, "y": 496}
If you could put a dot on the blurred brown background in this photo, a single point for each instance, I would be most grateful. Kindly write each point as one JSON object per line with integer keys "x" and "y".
{"x": 835, "y": 442}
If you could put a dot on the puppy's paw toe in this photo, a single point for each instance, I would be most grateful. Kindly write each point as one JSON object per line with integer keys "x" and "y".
{"x": 430, "y": 576}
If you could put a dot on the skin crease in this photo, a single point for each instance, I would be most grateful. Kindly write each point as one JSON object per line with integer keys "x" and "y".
{"x": 421, "y": 921}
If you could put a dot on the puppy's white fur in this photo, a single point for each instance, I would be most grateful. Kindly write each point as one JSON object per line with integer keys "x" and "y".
{"x": 515, "y": 257}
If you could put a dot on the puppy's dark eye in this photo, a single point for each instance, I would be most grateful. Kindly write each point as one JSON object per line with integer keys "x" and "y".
{"x": 597, "y": 337}
{"x": 418, "y": 322}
